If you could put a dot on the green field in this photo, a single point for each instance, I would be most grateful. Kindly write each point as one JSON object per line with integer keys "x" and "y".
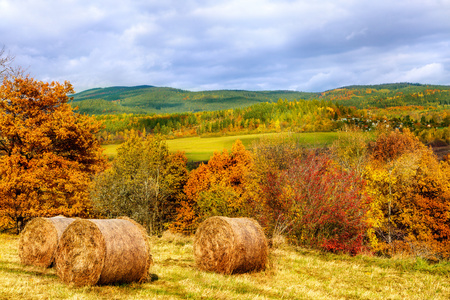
{"x": 201, "y": 148}
{"x": 292, "y": 273}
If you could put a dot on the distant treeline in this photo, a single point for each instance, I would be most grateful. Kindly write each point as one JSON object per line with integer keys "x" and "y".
{"x": 295, "y": 116}
{"x": 390, "y": 95}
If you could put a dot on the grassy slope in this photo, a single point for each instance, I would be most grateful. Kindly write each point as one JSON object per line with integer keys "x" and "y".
{"x": 293, "y": 273}
{"x": 201, "y": 149}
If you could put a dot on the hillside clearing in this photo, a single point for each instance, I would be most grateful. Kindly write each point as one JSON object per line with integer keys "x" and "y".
{"x": 202, "y": 148}
{"x": 293, "y": 273}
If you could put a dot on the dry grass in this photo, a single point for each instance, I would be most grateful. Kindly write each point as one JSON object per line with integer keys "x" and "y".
{"x": 293, "y": 273}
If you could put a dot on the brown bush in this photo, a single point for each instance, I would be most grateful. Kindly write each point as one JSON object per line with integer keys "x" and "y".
{"x": 103, "y": 251}
{"x": 39, "y": 240}
{"x": 230, "y": 245}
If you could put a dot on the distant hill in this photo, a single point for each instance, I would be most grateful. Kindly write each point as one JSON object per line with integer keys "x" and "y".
{"x": 150, "y": 99}
{"x": 389, "y": 95}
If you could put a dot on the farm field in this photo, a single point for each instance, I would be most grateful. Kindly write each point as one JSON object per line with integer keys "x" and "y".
{"x": 201, "y": 148}
{"x": 293, "y": 273}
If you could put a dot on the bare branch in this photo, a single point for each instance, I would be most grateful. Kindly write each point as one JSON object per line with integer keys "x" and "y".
{"x": 7, "y": 69}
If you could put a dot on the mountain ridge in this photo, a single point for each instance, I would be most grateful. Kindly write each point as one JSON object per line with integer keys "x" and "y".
{"x": 145, "y": 99}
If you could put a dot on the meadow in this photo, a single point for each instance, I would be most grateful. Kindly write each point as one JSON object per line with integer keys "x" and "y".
{"x": 202, "y": 148}
{"x": 292, "y": 273}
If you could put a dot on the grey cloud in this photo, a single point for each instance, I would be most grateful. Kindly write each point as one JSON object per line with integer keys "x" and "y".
{"x": 254, "y": 44}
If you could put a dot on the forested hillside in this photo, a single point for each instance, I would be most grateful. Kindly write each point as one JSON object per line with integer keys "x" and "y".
{"x": 389, "y": 95}
{"x": 150, "y": 99}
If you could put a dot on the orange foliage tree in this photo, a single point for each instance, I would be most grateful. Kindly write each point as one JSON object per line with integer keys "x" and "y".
{"x": 48, "y": 152}
{"x": 215, "y": 188}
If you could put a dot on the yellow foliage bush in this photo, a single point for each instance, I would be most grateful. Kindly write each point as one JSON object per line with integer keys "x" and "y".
{"x": 410, "y": 212}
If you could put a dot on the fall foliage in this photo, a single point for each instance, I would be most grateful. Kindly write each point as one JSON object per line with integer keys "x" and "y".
{"x": 410, "y": 187}
{"x": 390, "y": 195}
{"x": 311, "y": 200}
{"x": 48, "y": 152}
{"x": 215, "y": 188}
{"x": 383, "y": 190}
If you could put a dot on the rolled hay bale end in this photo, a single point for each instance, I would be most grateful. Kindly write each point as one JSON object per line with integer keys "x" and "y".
{"x": 92, "y": 252}
{"x": 230, "y": 245}
{"x": 38, "y": 241}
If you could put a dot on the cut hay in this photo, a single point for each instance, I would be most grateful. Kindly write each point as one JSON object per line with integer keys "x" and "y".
{"x": 230, "y": 245}
{"x": 39, "y": 239}
{"x": 101, "y": 252}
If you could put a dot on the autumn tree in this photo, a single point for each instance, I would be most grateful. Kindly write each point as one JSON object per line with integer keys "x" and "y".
{"x": 385, "y": 155}
{"x": 305, "y": 196}
{"x": 145, "y": 183}
{"x": 390, "y": 145}
{"x": 315, "y": 203}
{"x": 411, "y": 190}
{"x": 215, "y": 188}
{"x": 271, "y": 157}
{"x": 48, "y": 153}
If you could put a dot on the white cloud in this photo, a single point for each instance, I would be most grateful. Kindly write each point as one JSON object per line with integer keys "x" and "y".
{"x": 429, "y": 73}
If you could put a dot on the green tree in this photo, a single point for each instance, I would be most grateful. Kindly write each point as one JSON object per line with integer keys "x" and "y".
{"x": 145, "y": 183}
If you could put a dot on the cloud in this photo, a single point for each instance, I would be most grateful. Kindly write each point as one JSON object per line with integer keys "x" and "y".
{"x": 254, "y": 44}
{"x": 428, "y": 73}
{"x": 355, "y": 34}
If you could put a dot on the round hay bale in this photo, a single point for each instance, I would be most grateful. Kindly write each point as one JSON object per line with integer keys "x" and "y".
{"x": 100, "y": 252}
{"x": 230, "y": 245}
{"x": 39, "y": 239}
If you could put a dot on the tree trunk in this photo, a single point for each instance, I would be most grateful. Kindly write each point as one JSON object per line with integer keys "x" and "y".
{"x": 20, "y": 224}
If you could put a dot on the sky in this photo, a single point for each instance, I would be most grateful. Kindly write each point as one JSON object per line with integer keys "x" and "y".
{"x": 309, "y": 46}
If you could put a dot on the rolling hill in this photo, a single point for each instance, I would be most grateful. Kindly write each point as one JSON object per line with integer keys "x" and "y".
{"x": 147, "y": 99}
{"x": 151, "y": 99}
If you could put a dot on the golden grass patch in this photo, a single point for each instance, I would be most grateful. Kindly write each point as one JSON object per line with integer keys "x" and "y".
{"x": 292, "y": 273}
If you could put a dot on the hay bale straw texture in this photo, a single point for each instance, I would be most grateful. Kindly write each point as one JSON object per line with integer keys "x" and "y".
{"x": 230, "y": 245}
{"x": 38, "y": 241}
{"x": 101, "y": 252}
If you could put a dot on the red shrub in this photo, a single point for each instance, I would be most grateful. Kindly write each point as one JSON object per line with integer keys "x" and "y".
{"x": 324, "y": 205}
